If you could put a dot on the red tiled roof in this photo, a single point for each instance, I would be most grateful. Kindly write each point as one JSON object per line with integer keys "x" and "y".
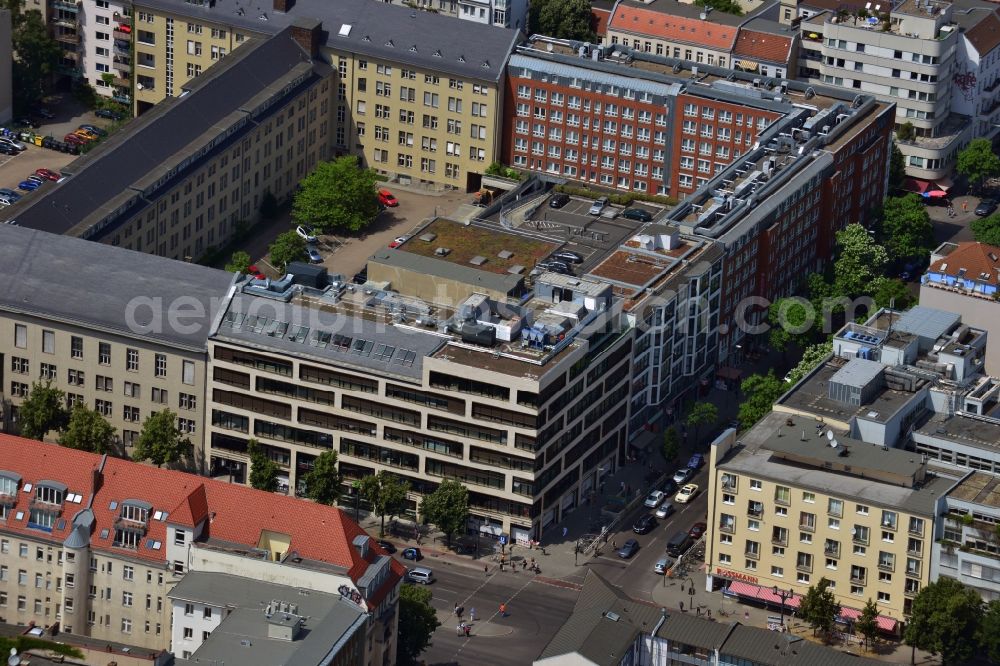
{"x": 975, "y": 258}
{"x": 237, "y": 514}
{"x": 763, "y": 46}
{"x": 599, "y": 20}
{"x": 985, "y": 35}
{"x": 639, "y": 20}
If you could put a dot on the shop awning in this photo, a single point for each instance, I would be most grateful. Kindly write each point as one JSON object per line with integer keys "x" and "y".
{"x": 943, "y": 183}
{"x": 762, "y": 594}
{"x": 916, "y": 185}
{"x": 885, "y": 623}
{"x": 747, "y": 65}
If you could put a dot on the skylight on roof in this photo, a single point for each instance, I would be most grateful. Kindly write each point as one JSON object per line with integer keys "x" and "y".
{"x": 158, "y": 515}
{"x": 345, "y": 30}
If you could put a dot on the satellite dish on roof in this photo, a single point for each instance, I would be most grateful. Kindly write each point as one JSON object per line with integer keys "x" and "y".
{"x": 829, "y": 435}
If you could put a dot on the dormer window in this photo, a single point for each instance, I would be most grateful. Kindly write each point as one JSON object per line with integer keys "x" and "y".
{"x": 132, "y": 523}
{"x": 46, "y": 505}
{"x": 8, "y": 493}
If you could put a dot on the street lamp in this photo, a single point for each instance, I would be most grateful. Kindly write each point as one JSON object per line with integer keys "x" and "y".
{"x": 782, "y": 594}
{"x": 690, "y": 593}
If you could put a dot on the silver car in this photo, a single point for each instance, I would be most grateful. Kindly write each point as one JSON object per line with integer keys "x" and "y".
{"x": 663, "y": 564}
{"x": 598, "y": 206}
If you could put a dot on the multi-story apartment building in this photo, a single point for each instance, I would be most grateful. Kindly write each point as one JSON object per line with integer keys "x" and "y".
{"x": 500, "y": 13}
{"x": 964, "y": 278}
{"x": 105, "y": 48}
{"x": 6, "y": 76}
{"x": 94, "y": 546}
{"x": 134, "y": 348}
{"x": 63, "y": 19}
{"x": 793, "y": 501}
{"x": 417, "y": 95}
{"x": 185, "y": 176}
{"x": 904, "y": 53}
{"x": 462, "y": 373}
{"x": 966, "y": 549}
{"x": 976, "y": 89}
{"x": 680, "y": 31}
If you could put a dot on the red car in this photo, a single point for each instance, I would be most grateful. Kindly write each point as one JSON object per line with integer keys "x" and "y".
{"x": 386, "y": 199}
{"x": 254, "y": 271}
{"x": 74, "y": 139}
{"x": 697, "y": 530}
{"x": 47, "y": 174}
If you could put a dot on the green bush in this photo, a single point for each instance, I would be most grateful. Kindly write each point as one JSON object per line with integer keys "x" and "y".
{"x": 617, "y": 198}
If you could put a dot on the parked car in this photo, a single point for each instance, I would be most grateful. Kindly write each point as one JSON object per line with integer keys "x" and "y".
{"x": 387, "y": 546}
{"x": 686, "y": 493}
{"x": 109, "y": 114}
{"x": 568, "y": 256}
{"x": 398, "y": 240}
{"x": 9, "y": 194}
{"x": 254, "y": 271}
{"x": 87, "y": 134}
{"x": 386, "y": 198}
{"x": 663, "y": 564}
{"x": 27, "y": 185}
{"x": 598, "y": 206}
{"x": 48, "y": 174}
{"x": 74, "y": 139}
{"x": 412, "y": 554}
{"x": 696, "y": 461}
{"x": 306, "y": 232}
{"x": 628, "y": 549}
{"x": 986, "y": 207}
{"x": 669, "y": 487}
{"x": 682, "y": 475}
{"x": 421, "y": 575}
{"x": 314, "y": 256}
{"x": 17, "y": 145}
{"x": 644, "y": 524}
{"x": 638, "y": 214}
{"x": 665, "y": 511}
{"x": 95, "y": 129}
{"x": 36, "y": 179}
{"x": 554, "y": 266}
{"x": 7, "y": 149}
{"x": 558, "y": 200}
{"x": 654, "y": 499}
{"x": 697, "y": 530}
{"x": 679, "y": 543}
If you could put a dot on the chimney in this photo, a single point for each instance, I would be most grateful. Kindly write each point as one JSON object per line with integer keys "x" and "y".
{"x": 96, "y": 481}
{"x": 283, "y": 6}
{"x": 306, "y": 32}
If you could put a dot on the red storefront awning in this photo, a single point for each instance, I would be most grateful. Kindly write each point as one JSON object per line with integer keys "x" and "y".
{"x": 762, "y": 593}
{"x": 884, "y": 623}
{"x": 916, "y": 185}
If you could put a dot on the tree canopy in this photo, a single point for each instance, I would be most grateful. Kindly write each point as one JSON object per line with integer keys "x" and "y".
{"x": 860, "y": 260}
{"x": 897, "y": 168}
{"x": 671, "y": 444}
{"x": 987, "y": 229}
{"x": 977, "y": 161}
{"x": 36, "y": 55}
{"x": 819, "y": 606}
{"x": 906, "y": 231}
{"x": 867, "y": 622}
{"x": 727, "y": 6}
{"x": 417, "y": 623}
{"x": 338, "y": 194}
{"x": 42, "y": 411}
{"x": 792, "y": 321}
{"x": 989, "y": 632}
{"x": 387, "y": 494}
{"x": 322, "y": 482}
{"x": 286, "y": 248}
{"x": 238, "y": 262}
{"x": 760, "y": 392}
{"x": 160, "y": 441}
{"x": 263, "y": 470}
{"x": 88, "y": 431}
{"x": 701, "y": 413}
{"x": 945, "y": 619}
{"x": 891, "y": 292}
{"x": 563, "y": 19}
{"x": 811, "y": 357}
{"x": 447, "y": 508}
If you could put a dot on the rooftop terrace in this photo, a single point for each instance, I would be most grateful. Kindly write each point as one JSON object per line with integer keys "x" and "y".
{"x": 485, "y": 249}
{"x": 978, "y": 488}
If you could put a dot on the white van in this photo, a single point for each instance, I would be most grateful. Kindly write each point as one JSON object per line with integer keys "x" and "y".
{"x": 421, "y": 575}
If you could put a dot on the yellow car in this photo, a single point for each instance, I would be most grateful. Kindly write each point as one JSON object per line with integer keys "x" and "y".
{"x": 686, "y": 493}
{"x": 86, "y": 134}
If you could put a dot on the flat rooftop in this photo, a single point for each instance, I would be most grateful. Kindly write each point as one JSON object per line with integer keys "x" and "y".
{"x": 56, "y": 277}
{"x": 806, "y": 437}
{"x": 485, "y": 249}
{"x": 978, "y": 488}
{"x": 977, "y": 433}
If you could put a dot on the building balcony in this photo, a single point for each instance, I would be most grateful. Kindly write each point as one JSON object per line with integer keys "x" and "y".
{"x": 123, "y": 66}
{"x": 832, "y": 552}
{"x": 804, "y": 568}
{"x": 122, "y": 82}
{"x": 886, "y": 566}
{"x": 65, "y": 6}
{"x": 122, "y": 19}
{"x": 807, "y": 527}
{"x": 779, "y": 542}
{"x": 64, "y": 22}
{"x": 118, "y": 33}
{"x": 861, "y": 541}
{"x": 752, "y": 554}
{"x": 728, "y": 528}
{"x": 858, "y": 580}
{"x": 755, "y": 513}
{"x": 121, "y": 98}
{"x": 68, "y": 38}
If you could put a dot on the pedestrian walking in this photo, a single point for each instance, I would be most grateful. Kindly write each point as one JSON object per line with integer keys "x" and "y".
{"x": 486, "y": 569}
{"x": 565, "y": 531}
{"x": 524, "y": 564}
{"x": 746, "y": 616}
{"x": 457, "y": 614}
{"x": 468, "y": 630}
{"x": 472, "y": 614}
{"x": 965, "y": 206}
{"x": 614, "y": 545}
{"x": 461, "y": 611}
{"x": 460, "y": 629}
{"x": 503, "y": 610}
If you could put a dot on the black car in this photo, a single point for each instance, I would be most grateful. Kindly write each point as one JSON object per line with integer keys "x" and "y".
{"x": 387, "y": 547}
{"x": 669, "y": 487}
{"x": 108, "y": 113}
{"x": 554, "y": 266}
{"x": 986, "y": 207}
{"x": 558, "y": 201}
{"x": 644, "y": 524}
{"x": 628, "y": 549}
{"x": 8, "y": 150}
{"x": 568, "y": 257}
{"x": 638, "y": 214}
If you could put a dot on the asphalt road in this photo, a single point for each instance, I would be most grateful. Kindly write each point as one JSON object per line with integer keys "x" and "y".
{"x": 535, "y": 609}
{"x": 635, "y": 575}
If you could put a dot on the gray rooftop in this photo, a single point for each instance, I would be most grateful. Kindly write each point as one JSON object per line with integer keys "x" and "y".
{"x": 94, "y": 285}
{"x": 376, "y": 29}
{"x": 960, "y": 429}
{"x": 304, "y": 344}
{"x": 926, "y": 322}
{"x": 858, "y": 372}
{"x": 470, "y": 275}
{"x": 243, "y": 637}
{"x": 795, "y": 455}
{"x": 115, "y": 173}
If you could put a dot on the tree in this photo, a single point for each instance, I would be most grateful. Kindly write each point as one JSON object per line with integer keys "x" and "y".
{"x": 987, "y": 229}
{"x": 417, "y": 623}
{"x": 564, "y": 19}
{"x": 989, "y": 632}
{"x": 906, "y": 132}
{"x": 897, "y": 168}
{"x": 88, "y": 431}
{"x": 337, "y": 195}
{"x": 37, "y": 56}
{"x": 761, "y": 391}
{"x": 867, "y": 623}
{"x": 160, "y": 441}
{"x": 811, "y": 357}
{"x": 906, "y": 231}
{"x": 792, "y": 321}
{"x": 263, "y": 470}
{"x": 268, "y": 205}
{"x": 238, "y": 262}
{"x": 819, "y": 607}
{"x": 859, "y": 260}
{"x": 286, "y": 248}
{"x": 944, "y": 619}
{"x": 671, "y": 444}
{"x": 447, "y": 507}
{"x": 322, "y": 482}
{"x": 22, "y": 644}
{"x": 42, "y": 411}
{"x": 891, "y": 292}
{"x": 977, "y": 162}
{"x": 702, "y": 413}
{"x": 387, "y": 494}
{"x": 727, "y": 6}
